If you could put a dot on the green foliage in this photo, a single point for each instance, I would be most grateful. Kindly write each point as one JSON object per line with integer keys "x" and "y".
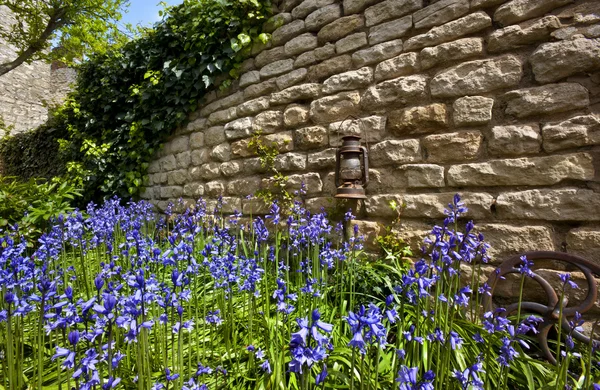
{"x": 392, "y": 245}
{"x": 127, "y": 102}
{"x": 77, "y": 27}
{"x": 33, "y": 203}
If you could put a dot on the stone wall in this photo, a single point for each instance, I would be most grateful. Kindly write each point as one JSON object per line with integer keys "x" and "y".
{"x": 496, "y": 100}
{"x": 27, "y": 91}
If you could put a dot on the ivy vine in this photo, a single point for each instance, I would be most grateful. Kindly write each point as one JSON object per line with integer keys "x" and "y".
{"x": 126, "y": 102}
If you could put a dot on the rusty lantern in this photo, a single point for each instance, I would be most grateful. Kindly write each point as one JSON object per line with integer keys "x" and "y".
{"x": 351, "y": 169}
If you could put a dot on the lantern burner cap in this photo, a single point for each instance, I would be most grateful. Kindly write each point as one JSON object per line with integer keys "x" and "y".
{"x": 352, "y": 191}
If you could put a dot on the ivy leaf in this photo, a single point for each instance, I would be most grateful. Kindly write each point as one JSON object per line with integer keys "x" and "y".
{"x": 235, "y": 45}
{"x": 264, "y": 37}
{"x": 207, "y": 81}
{"x": 244, "y": 39}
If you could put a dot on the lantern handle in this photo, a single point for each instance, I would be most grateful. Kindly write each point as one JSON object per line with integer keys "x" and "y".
{"x": 365, "y": 154}
{"x": 337, "y": 167}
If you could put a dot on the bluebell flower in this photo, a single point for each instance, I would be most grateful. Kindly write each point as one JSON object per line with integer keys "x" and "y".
{"x": 408, "y": 379}
{"x": 321, "y": 376}
{"x": 566, "y": 280}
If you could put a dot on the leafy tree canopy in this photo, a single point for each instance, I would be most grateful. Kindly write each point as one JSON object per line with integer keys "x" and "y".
{"x": 77, "y": 27}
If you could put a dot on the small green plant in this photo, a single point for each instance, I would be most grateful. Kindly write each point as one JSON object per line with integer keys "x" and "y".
{"x": 394, "y": 247}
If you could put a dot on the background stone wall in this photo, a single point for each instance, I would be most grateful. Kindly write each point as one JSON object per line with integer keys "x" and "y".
{"x": 496, "y": 100}
{"x": 25, "y": 91}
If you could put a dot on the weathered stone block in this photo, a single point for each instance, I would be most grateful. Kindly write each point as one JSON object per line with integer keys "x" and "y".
{"x": 399, "y": 91}
{"x": 323, "y": 16}
{"x": 340, "y": 28}
{"x": 319, "y": 54}
{"x": 196, "y": 140}
{"x": 523, "y": 171}
{"x": 556, "y": 60}
{"x": 292, "y": 78}
{"x": 377, "y": 53}
{"x": 282, "y": 141}
{"x": 311, "y": 181}
{"x": 290, "y": 162}
{"x": 295, "y": 115}
{"x": 330, "y": 67}
{"x": 424, "y": 175}
{"x": 433, "y": 205}
{"x": 585, "y": 242}
{"x": 260, "y": 89}
{"x": 199, "y": 156}
{"x": 239, "y": 128}
{"x": 300, "y": 44}
{"x": 452, "y": 51}
{"x": 575, "y": 132}
{"x": 286, "y": 32}
{"x": 475, "y": 77}
{"x": 402, "y": 65}
{"x": 276, "y": 21}
{"x": 390, "y": 9}
{"x": 513, "y": 37}
{"x": 215, "y": 188}
{"x": 177, "y": 145}
{"x": 507, "y": 240}
{"x": 379, "y": 205}
{"x": 253, "y": 106}
{"x": 390, "y": 30}
{"x": 183, "y": 159}
{"x": 518, "y": 10}
{"x": 193, "y": 190}
{"x": 418, "y": 120}
{"x": 249, "y": 78}
{"x": 311, "y": 137}
{"x": 355, "y": 6}
{"x": 351, "y": 43}
{"x": 196, "y": 125}
{"x": 223, "y": 116}
{"x": 547, "y": 99}
{"x": 567, "y": 204}
{"x": 336, "y": 107}
{"x": 322, "y": 160}
{"x": 308, "y": 6}
{"x": 440, "y": 12}
{"x": 472, "y": 110}
{"x": 297, "y": 92}
{"x": 221, "y": 152}
{"x": 269, "y": 56}
{"x": 450, "y": 31}
{"x": 276, "y": 68}
{"x": 450, "y": 147}
{"x": 395, "y": 152}
{"x": 168, "y": 163}
{"x": 244, "y": 186}
{"x": 231, "y": 168}
{"x": 346, "y": 81}
{"x": 370, "y": 128}
{"x": 171, "y": 192}
{"x": 268, "y": 122}
{"x": 178, "y": 177}
{"x": 214, "y": 135}
{"x": 515, "y": 140}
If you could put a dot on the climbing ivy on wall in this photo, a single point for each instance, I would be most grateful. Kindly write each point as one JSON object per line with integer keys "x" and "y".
{"x": 127, "y": 102}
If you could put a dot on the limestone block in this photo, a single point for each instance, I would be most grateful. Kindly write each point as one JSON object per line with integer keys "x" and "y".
{"x": 379, "y": 205}
{"x": 239, "y": 128}
{"x": 390, "y": 9}
{"x": 214, "y": 135}
{"x": 377, "y": 53}
{"x": 282, "y": 141}
{"x": 287, "y": 32}
{"x": 585, "y": 242}
{"x": 547, "y": 170}
{"x": 399, "y": 91}
{"x": 513, "y": 37}
{"x": 472, "y": 110}
{"x": 507, "y": 240}
{"x": 231, "y": 168}
{"x": 322, "y": 160}
{"x": 575, "y": 132}
{"x": 319, "y": 54}
{"x": 300, "y": 44}
{"x": 193, "y": 190}
{"x": 311, "y": 137}
{"x": 196, "y": 125}
{"x": 229, "y": 205}
{"x": 452, "y": 51}
{"x": 154, "y": 166}
{"x": 433, "y": 205}
{"x": 390, "y": 30}
{"x": 402, "y": 65}
{"x": 370, "y": 129}
{"x": 386, "y": 180}
{"x": 244, "y": 186}
{"x": 335, "y": 107}
{"x": 268, "y": 122}
{"x": 418, "y": 120}
{"x": 168, "y": 163}
{"x": 424, "y": 175}
{"x": 297, "y": 92}
{"x": 221, "y": 152}
{"x": 223, "y": 116}
{"x": 323, "y": 16}
{"x": 199, "y": 156}
{"x": 249, "y": 78}
{"x": 485, "y": 3}
{"x": 183, "y": 159}
{"x": 556, "y": 60}
{"x": 440, "y": 12}
{"x": 395, "y": 152}
{"x": 450, "y": 147}
{"x": 566, "y": 204}
{"x": 276, "y": 21}
{"x": 276, "y": 68}
{"x": 518, "y": 10}
{"x": 215, "y": 188}
{"x": 355, "y": 6}
{"x": 178, "y": 177}
{"x": 351, "y": 43}
{"x": 547, "y": 99}
{"x": 369, "y": 230}
{"x": 515, "y": 140}
{"x": 177, "y": 144}
{"x": 330, "y": 67}
{"x": 450, "y": 31}
{"x": 292, "y": 78}
{"x": 196, "y": 140}
{"x": 171, "y": 192}
{"x": 269, "y": 56}
{"x": 346, "y": 81}
{"x": 254, "y": 206}
{"x": 260, "y": 89}
{"x": 295, "y": 115}
{"x": 290, "y": 162}
{"x": 312, "y": 182}
{"x": 253, "y": 106}
{"x": 340, "y": 28}
{"x": 308, "y": 6}
{"x": 222, "y": 103}
{"x": 471, "y": 78}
